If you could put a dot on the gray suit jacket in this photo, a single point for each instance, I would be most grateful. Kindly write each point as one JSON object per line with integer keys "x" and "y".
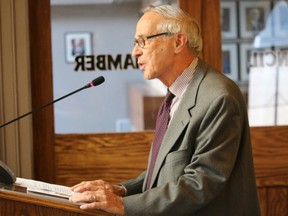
{"x": 204, "y": 166}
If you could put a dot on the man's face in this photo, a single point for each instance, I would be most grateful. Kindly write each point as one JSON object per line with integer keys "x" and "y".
{"x": 155, "y": 58}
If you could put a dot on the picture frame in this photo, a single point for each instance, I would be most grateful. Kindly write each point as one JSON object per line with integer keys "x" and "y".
{"x": 230, "y": 61}
{"x": 77, "y": 43}
{"x": 228, "y": 20}
{"x": 253, "y": 16}
{"x": 245, "y": 59}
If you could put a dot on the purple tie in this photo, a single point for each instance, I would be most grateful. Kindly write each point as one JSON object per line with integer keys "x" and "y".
{"x": 161, "y": 127}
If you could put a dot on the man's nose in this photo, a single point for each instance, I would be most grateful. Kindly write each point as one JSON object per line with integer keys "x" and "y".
{"x": 136, "y": 52}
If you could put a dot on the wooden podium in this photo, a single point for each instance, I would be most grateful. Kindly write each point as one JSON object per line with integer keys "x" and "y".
{"x": 17, "y": 202}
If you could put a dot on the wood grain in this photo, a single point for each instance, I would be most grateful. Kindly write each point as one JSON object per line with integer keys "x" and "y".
{"x": 113, "y": 157}
{"x": 42, "y": 88}
{"x": 277, "y": 200}
{"x": 262, "y": 195}
{"x": 270, "y": 153}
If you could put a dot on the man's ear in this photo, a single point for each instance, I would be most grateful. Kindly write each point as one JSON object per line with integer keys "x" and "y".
{"x": 180, "y": 42}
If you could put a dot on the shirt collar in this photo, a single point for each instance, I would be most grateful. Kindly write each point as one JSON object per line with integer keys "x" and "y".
{"x": 179, "y": 86}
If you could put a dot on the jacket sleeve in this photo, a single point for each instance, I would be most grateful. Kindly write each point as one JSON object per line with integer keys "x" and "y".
{"x": 134, "y": 186}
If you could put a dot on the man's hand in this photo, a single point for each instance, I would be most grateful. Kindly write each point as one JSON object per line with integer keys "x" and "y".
{"x": 100, "y": 195}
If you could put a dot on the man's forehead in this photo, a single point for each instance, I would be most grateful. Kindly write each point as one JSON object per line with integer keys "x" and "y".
{"x": 148, "y": 23}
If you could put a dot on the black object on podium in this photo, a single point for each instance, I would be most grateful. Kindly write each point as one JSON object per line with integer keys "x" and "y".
{"x": 6, "y": 174}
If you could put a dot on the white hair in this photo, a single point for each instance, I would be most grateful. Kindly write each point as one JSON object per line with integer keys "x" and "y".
{"x": 179, "y": 21}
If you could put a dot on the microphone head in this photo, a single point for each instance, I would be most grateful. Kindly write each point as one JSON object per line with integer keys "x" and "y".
{"x": 95, "y": 82}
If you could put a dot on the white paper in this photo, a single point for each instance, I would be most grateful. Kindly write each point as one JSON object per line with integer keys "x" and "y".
{"x": 45, "y": 188}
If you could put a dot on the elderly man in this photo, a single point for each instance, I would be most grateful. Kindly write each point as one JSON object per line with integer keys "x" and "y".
{"x": 200, "y": 161}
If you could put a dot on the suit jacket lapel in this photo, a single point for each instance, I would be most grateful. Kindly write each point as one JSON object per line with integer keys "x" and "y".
{"x": 181, "y": 117}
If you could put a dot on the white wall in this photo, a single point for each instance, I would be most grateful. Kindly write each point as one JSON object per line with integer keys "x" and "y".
{"x": 95, "y": 109}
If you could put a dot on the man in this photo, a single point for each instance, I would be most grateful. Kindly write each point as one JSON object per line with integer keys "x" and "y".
{"x": 204, "y": 165}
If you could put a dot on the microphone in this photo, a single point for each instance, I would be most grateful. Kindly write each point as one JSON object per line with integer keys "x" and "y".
{"x": 6, "y": 174}
{"x": 97, "y": 81}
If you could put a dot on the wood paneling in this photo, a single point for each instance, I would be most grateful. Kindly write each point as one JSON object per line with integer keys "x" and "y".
{"x": 270, "y": 153}
{"x": 207, "y": 13}
{"x": 41, "y": 84}
{"x": 114, "y": 157}
{"x": 270, "y": 149}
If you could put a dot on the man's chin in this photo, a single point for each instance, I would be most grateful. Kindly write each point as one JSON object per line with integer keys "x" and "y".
{"x": 148, "y": 77}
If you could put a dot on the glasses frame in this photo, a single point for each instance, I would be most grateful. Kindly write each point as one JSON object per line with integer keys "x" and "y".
{"x": 141, "y": 42}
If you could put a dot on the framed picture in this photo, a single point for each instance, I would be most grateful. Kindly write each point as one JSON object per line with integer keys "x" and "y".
{"x": 253, "y": 17}
{"x": 229, "y": 61}
{"x": 228, "y": 20}
{"x": 77, "y": 43}
{"x": 245, "y": 61}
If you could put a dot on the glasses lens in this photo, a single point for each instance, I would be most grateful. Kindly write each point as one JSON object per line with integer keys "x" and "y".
{"x": 141, "y": 42}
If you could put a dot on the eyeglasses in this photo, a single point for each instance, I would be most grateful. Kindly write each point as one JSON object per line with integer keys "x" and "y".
{"x": 141, "y": 41}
